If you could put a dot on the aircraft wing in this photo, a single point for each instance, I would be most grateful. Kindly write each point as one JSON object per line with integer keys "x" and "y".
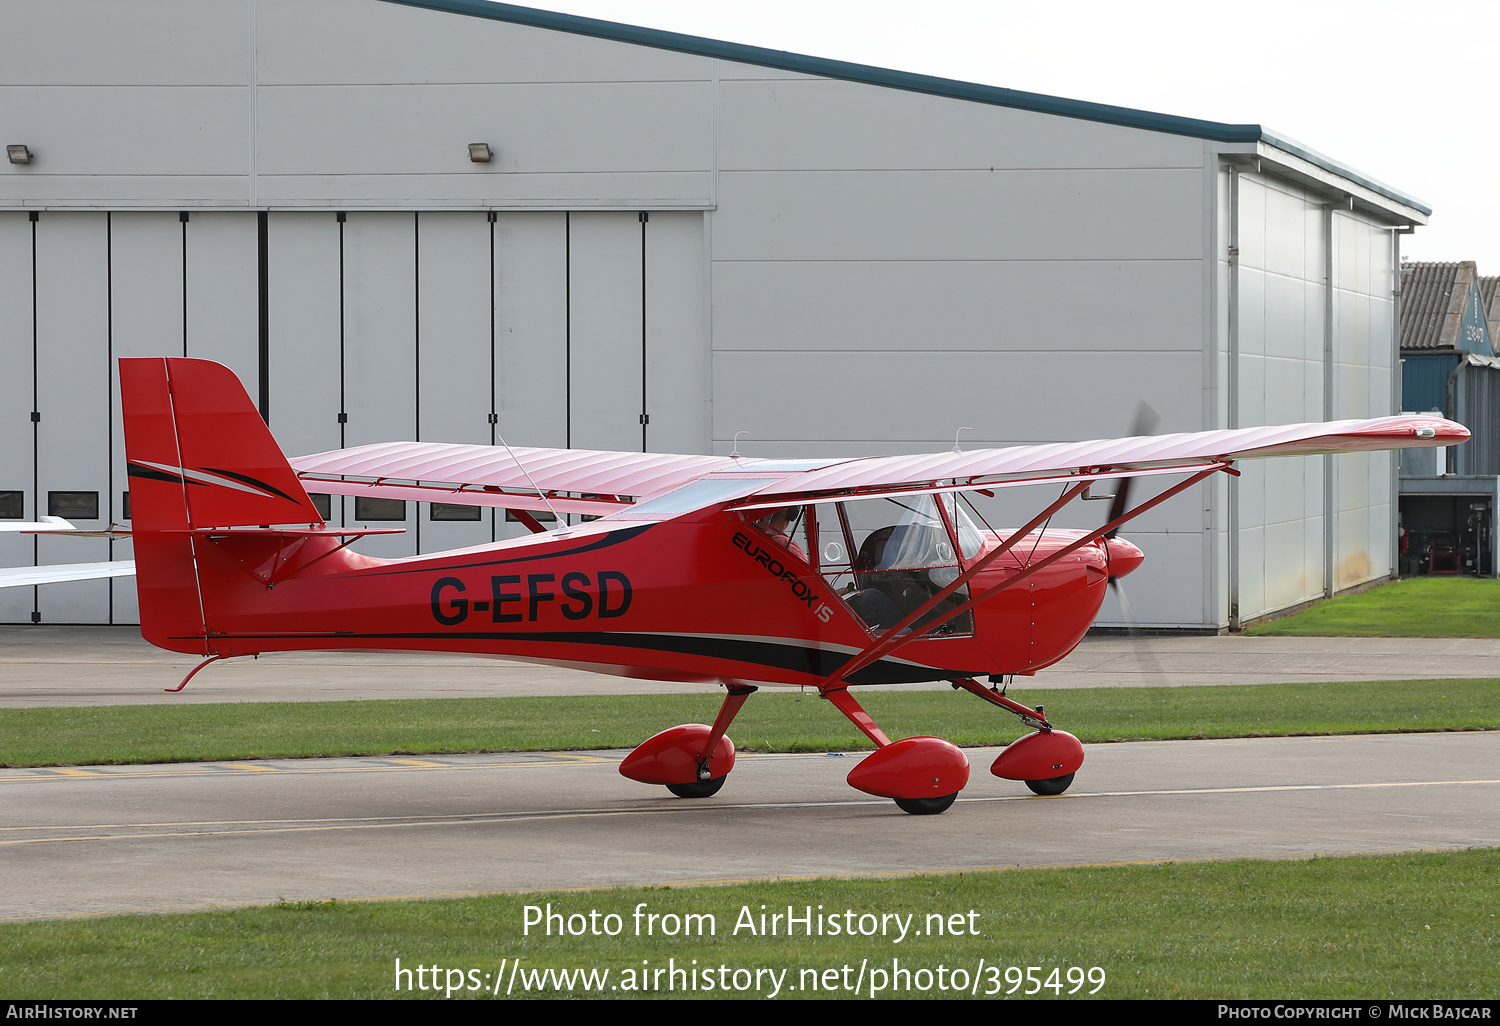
{"x": 575, "y": 480}
{"x": 26, "y": 576}
{"x": 603, "y": 483}
{"x": 982, "y": 469}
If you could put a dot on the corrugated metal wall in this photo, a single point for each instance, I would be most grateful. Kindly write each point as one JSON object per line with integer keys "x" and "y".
{"x": 1424, "y": 381}
{"x": 1477, "y": 402}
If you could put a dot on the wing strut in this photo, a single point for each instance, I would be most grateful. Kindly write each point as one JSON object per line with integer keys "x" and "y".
{"x": 893, "y": 639}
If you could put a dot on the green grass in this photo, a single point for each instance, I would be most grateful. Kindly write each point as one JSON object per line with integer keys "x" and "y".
{"x": 1421, "y": 607}
{"x": 1365, "y": 927}
{"x": 769, "y": 722}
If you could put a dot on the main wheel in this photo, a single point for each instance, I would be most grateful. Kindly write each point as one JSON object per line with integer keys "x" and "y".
{"x": 926, "y": 806}
{"x": 702, "y": 789}
{"x": 1057, "y": 785}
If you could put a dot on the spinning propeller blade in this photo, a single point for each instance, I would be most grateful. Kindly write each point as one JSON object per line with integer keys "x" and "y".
{"x": 1145, "y": 424}
{"x": 1119, "y": 550}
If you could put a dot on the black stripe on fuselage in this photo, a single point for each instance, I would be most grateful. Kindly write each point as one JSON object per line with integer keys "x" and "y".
{"x": 815, "y": 662}
{"x": 610, "y": 539}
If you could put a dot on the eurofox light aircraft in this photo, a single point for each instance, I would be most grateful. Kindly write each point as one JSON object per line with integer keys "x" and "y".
{"x": 740, "y": 571}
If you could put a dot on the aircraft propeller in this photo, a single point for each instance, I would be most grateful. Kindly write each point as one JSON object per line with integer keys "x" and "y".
{"x": 1120, "y": 552}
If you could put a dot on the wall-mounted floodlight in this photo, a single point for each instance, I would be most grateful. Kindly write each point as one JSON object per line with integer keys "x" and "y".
{"x": 19, "y": 153}
{"x": 480, "y": 153}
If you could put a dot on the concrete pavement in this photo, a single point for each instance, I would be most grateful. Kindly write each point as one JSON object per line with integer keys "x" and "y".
{"x": 96, "y": 840}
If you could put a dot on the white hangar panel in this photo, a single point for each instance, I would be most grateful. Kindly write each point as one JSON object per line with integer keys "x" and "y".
{"x": 532, "y": 129}
{"x": 146, "y": 273}
{"x": 453, "y": 322}
{"x": 734, "y": 71}
{"x": 303, "y": 320}
{"x": 678, "y": 349}
{"x": 15, "y": 400}
{"x": 105, "y": 42}
{"x": 827, "y": 124}
{"x": 357, "y": 41}
{"x": 223, "y": 302}
{"x": 960, "y": 215}
{"x": 123, "y": 192}
{"x": 380, "y": 327}
{"x": 531, "y": 335}
{"x": 96, "y": 144}
{"x": 690, "y": 190}
{"x": 606, "y": 344}
{"x": 1280, "y": 375}
{"x": 531, "y": 328}
{"x": 453, "y": 351}
{"x": 73, "y": 388}
{"x": 953, "y": 304}
{"x": 1363, "y": 313}
{"x": 901, "y": 397}
{"x": 380, "y": 349}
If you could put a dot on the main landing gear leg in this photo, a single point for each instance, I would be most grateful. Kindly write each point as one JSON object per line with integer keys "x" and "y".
{"x": 1046, "y": 759}
{"x": 922, "y": 774}
{"x": 691, "y": 760}
{"x": 707, "y": 785}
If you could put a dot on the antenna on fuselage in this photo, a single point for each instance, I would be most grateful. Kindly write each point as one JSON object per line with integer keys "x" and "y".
{"x": 736, "y": 454}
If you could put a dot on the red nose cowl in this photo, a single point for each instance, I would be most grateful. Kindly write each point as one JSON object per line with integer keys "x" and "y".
{"x": 1123, "y": 557}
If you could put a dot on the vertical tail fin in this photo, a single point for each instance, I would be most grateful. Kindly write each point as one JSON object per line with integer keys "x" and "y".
{"x": 199, "y": 456}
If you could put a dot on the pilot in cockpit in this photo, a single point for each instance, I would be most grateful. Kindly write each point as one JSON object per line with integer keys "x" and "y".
{"x": 779, "y": 524}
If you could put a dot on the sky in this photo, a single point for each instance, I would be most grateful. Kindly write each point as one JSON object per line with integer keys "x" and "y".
{"x": 1401, "y": 92}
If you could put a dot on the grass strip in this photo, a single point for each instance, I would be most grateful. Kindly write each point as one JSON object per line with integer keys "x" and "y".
{"x": 769, "y": 722}
{"x": 1364, "y": 927}
{"x": 1419, "y": 607}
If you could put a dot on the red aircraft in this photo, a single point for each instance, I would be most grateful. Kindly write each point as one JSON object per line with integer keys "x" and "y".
{"x": 738, "y": 571}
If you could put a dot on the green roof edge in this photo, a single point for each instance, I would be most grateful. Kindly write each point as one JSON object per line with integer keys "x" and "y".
{"x": 910, "y": 81}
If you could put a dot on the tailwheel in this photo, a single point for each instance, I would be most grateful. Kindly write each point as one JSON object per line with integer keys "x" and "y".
{"x": 700, "y": 789}
{"x": 926, "y": 806}
{"x": 1056, "y": 785}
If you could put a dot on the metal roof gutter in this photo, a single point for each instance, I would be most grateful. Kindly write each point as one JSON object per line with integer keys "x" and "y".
{"x": 911, "y": 82}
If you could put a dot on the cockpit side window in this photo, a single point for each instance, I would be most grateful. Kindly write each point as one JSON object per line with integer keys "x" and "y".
{"x": 970, "y": 538}
{"x": 886, "y": 557}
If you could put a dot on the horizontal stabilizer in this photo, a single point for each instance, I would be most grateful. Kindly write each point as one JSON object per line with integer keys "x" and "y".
{"x": 57, "y": 525}
{"x": 47, "y": 525}
{"x": 26, "y": 576}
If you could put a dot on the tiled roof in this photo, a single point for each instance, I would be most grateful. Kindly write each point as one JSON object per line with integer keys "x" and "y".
{"x": 1433, "y": 299}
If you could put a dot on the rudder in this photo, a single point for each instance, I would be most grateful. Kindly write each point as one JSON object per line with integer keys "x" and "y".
{"x": 198, "y": 456}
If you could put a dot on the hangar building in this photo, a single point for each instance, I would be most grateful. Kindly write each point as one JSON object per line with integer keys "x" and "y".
{"x": 674, "y": 240}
